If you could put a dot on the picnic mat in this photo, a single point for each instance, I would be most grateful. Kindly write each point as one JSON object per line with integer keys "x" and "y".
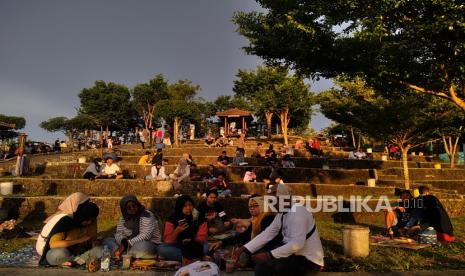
{"x": 155, "y": 264}
{"x": 402, "y": 242}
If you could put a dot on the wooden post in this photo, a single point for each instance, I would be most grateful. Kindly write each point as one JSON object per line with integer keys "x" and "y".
{"x": 243, "y": 125}
{"x": 226, "y": 126}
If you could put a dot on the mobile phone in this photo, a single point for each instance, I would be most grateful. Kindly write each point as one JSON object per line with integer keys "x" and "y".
{"x": 182, "y": 221}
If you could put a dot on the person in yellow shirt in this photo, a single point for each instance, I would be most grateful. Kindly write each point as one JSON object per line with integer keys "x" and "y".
{"x": 73, "y": 238}
{"x": 145, "y": 159}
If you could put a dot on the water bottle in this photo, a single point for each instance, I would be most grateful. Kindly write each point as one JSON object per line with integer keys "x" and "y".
{"x": 106, "y": 258}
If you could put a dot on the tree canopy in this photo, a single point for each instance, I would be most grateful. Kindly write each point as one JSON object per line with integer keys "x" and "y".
{"x": 19, "y": 122}
{"x": 418, "y": 45}
{"x": 272, "y": 90}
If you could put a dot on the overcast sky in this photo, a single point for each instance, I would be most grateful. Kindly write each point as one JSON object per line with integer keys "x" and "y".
{"x": 50, "y": 50}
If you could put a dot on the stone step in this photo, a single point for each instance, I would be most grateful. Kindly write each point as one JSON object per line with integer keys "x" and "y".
{"x": 233, "y": 173}
{"x": 107, "y": 187}
{"x": 428, "y": 173}
{"x": 38, "y": 208}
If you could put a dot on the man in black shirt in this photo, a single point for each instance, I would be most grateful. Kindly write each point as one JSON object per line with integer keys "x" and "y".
{"x": 223, "y": 160}
{"x": 211, "y": 211}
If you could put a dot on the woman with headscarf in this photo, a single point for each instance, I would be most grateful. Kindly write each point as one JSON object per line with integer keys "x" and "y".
{"x": 181, "y": 173}
{"x": 137, "y": 229}
{"x": 93, "y": 170}
{"x": 260, "y": 220}
{"x": 182, "y": 227}
{"x": 65, "y": 236}
{"x": 70, "y": 204}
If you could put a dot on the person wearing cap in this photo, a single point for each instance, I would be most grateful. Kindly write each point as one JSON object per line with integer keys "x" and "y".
{"x": 212, "y": 211}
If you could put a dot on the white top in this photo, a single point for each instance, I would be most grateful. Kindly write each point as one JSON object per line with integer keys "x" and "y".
{"x": 296, "y": 224}
{"x": 113, "y": 169}
{"x": 199, "y": 268}
{"x": 161, "y": 175}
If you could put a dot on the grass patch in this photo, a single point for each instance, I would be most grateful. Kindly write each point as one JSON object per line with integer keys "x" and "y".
{"x": 382, "y": 259}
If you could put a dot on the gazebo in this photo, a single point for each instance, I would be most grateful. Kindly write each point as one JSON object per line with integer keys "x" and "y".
{"x": 232, "y": 118}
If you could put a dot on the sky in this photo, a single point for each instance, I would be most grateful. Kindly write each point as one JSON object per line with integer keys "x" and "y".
{"x": 50, "y": 50}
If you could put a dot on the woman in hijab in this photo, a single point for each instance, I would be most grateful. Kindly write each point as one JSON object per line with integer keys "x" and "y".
{"x": 93, "y": 170}
{"x": 137, "y": 231}
{"x": 70, "y": 204}
{"x": 180, "y": 228}
{"x": 181, "y": 173}
{"x": 260, "y": 220}
{"x": 68, "y": 235}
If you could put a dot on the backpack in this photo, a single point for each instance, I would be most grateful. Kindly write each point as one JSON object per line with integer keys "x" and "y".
{"x": 44, "y": 234}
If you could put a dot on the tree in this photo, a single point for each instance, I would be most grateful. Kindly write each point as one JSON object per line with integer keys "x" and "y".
{"x": 109, "y": 105}
{"x": 270, "y": 90}
{"x": 19, "y": 122}
{"x": 179, "y": 106}
{"x": 68, "y": 126}
{"x": 146, "y": 95}
{"x": 404, "y": 120}
{"x": 395, "y": 45}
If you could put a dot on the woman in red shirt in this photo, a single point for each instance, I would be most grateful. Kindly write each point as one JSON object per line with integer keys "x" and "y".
{"x": 180, "y": 228}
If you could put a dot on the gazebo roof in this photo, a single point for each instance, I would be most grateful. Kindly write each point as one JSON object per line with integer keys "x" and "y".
{"x": 234, "y": 112}
{"x": 7, "y": 126}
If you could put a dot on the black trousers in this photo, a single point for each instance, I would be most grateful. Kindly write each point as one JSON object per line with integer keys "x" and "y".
{"x": 293, "y": 265}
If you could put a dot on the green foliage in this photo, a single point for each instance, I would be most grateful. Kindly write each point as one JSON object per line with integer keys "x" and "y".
{"x": 271, "y": 89}
{"x": 107, "y": 104}
{"x": 419, "y": 45}
{"x": 19, "y": 122}
{"x": 405, "y": 119}
{"x": 150, "y": 93}
{"x": 81, "y": 122}
{"x": 183, "y": 90}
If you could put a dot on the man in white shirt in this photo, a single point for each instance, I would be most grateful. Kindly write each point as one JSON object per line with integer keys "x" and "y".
{"x": 111, "y": 170}
{"x": 192, "y": 254}
{"x": 302, "y": 252}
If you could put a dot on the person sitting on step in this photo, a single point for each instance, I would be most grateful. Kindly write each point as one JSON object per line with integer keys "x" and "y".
{"x": 221, "y": 186}
{"x": 213, "y": 212}
{"x": 137, "y": 231}
{"x": 259, "y": 221}
{"x": 223, "y": 160}
{"x": 93, "y": 170}
{"x": 182, "y": 227}
{"x": 145, "y": 159}
{"x": 67, "y": 239}
{"x": 110, "y": 170}
{"x": 157, "y": 173}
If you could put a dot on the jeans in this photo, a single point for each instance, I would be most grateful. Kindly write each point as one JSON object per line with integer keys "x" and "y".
{"x": 173, "y": 252}
{"x": 140, "y": 250}
{"x": 58, "y": 256}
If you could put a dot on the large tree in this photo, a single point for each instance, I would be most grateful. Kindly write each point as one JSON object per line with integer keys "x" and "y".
{"x": 271, "y": 90}
{"x": 404, "y": 120}
{"x": 146, "y": 95}
{"x": 107, "y": 104}
{"x": 68, "y": 126}
{"x": 394, "y": 45}
{"x": 180, "y": 106}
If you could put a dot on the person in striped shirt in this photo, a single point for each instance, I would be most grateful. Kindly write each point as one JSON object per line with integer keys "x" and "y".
{"x": 137, "y": 231}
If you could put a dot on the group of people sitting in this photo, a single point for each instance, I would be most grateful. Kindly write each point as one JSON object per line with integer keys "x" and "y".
{"x": 413, "y": 215}
{"x": 275, "y": 243}
{"x": 108, "y": 170}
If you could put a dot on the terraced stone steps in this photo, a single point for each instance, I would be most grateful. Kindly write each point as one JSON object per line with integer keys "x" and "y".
{"x": 100, "y": 187}
{"x": 38, "y": 208}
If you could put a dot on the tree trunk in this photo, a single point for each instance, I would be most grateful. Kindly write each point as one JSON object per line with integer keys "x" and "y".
{"x": 451, "y": 148}
{"x": 404, "y": 151}
{"x": 283, "y": 116}
{"x": 353, "y": 136}
{"x": 268, "y": 116}
{"x": 177, "y": 124}
{"x": 101, "y": 141}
